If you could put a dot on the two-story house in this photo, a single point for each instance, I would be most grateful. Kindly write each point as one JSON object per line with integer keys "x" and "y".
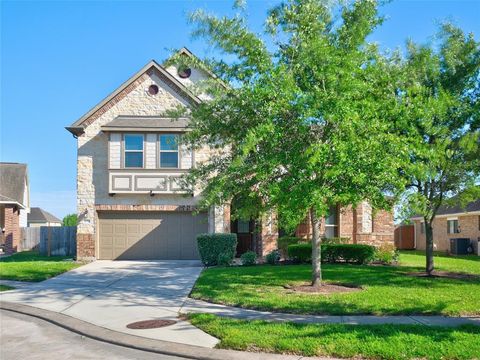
{"x": 130, "y": 204}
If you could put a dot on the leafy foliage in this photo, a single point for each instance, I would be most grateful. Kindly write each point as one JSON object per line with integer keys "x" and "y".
{"x": 70, "y": 220}
{"x": 439, "y": 87}
{"x": 303, "y": 124}
{"x": 273, "y": 257}
{"x": 350, "y": 253}
{"x": 249, "y": 258}
{"x": 215, "y": 247}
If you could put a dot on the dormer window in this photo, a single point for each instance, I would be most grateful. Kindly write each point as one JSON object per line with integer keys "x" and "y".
{"x": 133, "y": 150}
{"x": 169, "y": 151}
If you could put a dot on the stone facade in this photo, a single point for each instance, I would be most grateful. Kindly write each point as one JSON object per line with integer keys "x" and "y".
{"x": 469, "y": 226}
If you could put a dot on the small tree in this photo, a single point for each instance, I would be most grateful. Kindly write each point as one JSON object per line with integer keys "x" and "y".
{"x": 305, "y": 124}
{"x": 70, "y": 220}
{"x": 440, "y": 94}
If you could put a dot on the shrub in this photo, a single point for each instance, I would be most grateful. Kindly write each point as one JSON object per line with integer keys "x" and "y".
{"x": 224, "y": 259}
{"x": 211, "y": 246}
{"x": 249, "y": 258}
{"x": 351, "y": 253}
{"x": 300, "y": 252}
{"x": 273, "y": 257}
{"x": 285, "y": 241}
{"x": 386, "y": 254}
{"x": 336, "y": 240}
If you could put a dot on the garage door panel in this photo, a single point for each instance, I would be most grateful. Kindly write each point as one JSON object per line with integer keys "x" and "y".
{"x": 149, "y": 235}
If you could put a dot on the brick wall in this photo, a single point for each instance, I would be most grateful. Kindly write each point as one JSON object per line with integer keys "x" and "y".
{"x": 268, "y": 234}
{"x": 12, "y": 229}
{"x": 362, "y": 225}
{"x": 85, "y": 246}
{"x": 469, "y": 228}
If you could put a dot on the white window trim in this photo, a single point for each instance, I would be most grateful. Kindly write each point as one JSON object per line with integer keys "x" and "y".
{"x": 160, "y": 151}
{"x": 131, "y": 151}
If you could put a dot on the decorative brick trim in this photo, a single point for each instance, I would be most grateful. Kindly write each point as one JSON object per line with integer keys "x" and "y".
{"x": 145, "y": 207}
{"x": 85, "y": 246}
{"x": 12, "y": 229}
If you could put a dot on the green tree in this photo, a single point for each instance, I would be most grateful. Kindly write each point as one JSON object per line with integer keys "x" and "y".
{"x": 441, "y": 119}
{"x": 70, "y": 220}
{"x": 304, "y": 123}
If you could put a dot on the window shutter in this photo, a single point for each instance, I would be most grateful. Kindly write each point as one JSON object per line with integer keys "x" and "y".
{"x": 114, "y": 150}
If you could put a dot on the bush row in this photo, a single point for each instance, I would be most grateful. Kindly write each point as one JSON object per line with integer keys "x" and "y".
{"x": 350, "y": 253}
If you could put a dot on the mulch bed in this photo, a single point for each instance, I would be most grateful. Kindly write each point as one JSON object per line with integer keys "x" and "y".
{"x": 445, "y": 274}
{"x": 325, "y": 289}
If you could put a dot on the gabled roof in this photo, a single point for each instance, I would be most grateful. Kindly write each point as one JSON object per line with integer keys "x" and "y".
{"x": 38, "y": 215}
{"x": 13, "y": 179}
{"x": 78, "y": 126}
{"x": 146, "y": 123}
{"x": 444, "y": 210}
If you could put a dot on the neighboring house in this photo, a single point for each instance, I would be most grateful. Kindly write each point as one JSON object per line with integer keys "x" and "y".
{"x": 130, "y": 202}
{"x": 14, "y": 204}
{"x": 39, "y": 217}
{"x": 451, "y": 222}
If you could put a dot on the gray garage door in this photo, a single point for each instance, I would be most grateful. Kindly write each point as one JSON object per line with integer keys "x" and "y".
{"x": 149, "y": 235}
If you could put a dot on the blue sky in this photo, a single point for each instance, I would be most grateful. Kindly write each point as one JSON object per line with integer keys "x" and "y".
{"x": 59, "y": 59}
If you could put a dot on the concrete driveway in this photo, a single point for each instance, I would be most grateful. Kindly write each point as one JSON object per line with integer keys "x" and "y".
{"x": 113, "y": 294}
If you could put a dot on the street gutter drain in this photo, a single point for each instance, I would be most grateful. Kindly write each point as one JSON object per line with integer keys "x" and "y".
{"x": 150, "y": 324}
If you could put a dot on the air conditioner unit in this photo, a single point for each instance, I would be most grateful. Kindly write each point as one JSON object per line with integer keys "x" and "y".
{"x": 459, "y": 246}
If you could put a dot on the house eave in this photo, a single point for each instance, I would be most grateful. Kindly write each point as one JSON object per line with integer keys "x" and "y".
{"x": 75, "y": 130}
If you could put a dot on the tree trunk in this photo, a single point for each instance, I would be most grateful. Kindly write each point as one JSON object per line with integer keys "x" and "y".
{"x": 429, "y": 247}
{"x": 316, "y": 249}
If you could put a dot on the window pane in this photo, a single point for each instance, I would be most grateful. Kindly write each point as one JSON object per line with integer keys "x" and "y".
{"x": 133, "y": 142}
{"x": 169, "y": 142}
{"x": 330, "y": 231}
{"x": 243, "y": 226}
{"x": 169, "y": 159}
{"x": 133, "y": 159}
{"x": 331, "y": 218}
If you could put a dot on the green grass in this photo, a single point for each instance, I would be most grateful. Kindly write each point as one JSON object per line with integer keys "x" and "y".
{"x": 30, "y": 266}
{"x": 6, "y": 287}
{"x": 462, "y": 263}
{"x": 340, "y": 340}
{"x": 387, "y": 290}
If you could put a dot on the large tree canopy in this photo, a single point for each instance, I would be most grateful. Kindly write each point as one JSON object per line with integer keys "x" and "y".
{"x": 307, "y": 118}
{"x": 440, "y": 93}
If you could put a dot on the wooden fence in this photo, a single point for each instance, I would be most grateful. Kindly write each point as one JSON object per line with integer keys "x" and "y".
{"x": 50, "y": 240}
{"x": 405, "y": 237}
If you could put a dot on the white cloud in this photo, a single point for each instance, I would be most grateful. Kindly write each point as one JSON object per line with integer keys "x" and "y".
{"x": 59, "y": 203}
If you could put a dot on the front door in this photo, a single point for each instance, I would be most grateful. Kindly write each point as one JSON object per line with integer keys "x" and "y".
{"x": 244, "y": 230}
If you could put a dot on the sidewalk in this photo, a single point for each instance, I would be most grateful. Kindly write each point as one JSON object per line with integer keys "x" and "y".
{"x": 16, "y": 284}
{"x": 198, "y": 306}
{"x": 141, "y": 343}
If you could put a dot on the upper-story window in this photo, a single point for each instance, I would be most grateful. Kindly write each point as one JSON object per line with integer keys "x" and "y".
{"x": 133, "y": 150}
{"x": 169, "y": 151}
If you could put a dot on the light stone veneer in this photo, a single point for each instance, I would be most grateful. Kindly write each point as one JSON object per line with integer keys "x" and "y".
{"x": 92, "y": 163}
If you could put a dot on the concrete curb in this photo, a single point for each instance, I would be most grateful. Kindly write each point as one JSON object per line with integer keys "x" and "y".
{"x": 137, "y": 342}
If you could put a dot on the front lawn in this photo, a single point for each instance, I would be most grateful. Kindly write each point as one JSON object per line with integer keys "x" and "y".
{"x": 5, "y": 288}
{"x": 387, "y": 290}
{"x": 461, "y": 263}
{"x": 340, "y": 340}
{"x": 30, "y": 266}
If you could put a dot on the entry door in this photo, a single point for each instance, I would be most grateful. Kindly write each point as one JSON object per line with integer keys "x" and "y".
{"x": 244, "y": 230}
